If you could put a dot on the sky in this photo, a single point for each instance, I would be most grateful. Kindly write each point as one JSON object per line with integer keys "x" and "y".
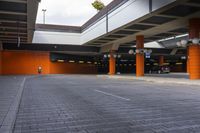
{"x": 67, "y": 12}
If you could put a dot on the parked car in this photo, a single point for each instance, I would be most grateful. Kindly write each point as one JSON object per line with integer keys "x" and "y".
{"x": 160, "y": 69}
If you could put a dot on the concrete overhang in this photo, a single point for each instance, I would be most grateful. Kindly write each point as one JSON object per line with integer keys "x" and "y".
{"x": 73, "y": 49}
{"x": 168, "y": 21}
{"x": 17, "y": 19}
{"x": 85, "y": 50}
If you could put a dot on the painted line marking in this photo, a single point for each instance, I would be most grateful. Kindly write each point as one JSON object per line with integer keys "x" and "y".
{"x": 109, "y": 94}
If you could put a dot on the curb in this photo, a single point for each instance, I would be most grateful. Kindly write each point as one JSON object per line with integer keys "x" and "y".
{"x": 155, "y": 79}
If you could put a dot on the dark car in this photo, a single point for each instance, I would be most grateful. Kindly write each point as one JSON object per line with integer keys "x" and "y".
{"x": 160, "y": 69}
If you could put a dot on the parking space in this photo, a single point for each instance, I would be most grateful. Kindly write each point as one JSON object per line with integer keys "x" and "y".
{"x": 133, "y": 57}
{"x": 88, "y": 104}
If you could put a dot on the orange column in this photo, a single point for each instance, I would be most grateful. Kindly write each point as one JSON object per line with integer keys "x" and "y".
{"x": 194, "y": 61}
{"x": 139, "y": 56}
{"x": 112, "y": 63}
{"x": 161, "y": 60}
{"x": 194, "y": 50}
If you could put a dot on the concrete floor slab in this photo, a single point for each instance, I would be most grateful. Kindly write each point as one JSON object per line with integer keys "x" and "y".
{"x": 61, "y": 103}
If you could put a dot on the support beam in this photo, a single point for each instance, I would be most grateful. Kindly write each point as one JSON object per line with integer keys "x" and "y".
{"x": 110, "y": 47}
{"x": 32, "y": 8}
{"x": 192, "y": 4}
{"x": 15, "y": 1}
{"x": 112, "y": 64}
{"x": 12, "y": 13}
{"x": 12, "y": 28}
{"x": 194, "y": 50}
{"x": 132, "y": 30}
{"x": 194, "y": 61}
{"x": 11, "y": 36}
{"x": 139, "y": 56}
{"x": 167, "y": 16}
{"x": 9, "y": 32}
{"x": 150, "y": 24}
{"x": 12, "y": 21}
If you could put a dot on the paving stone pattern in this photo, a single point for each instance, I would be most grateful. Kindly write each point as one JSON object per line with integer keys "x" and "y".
{"x": 71, "y": 104}
{"x": 9, "y": 86}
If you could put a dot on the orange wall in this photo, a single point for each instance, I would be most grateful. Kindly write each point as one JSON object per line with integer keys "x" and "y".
{"x": 24, "y": 62}
{"x": 27, "y": 62}
{"x": 72, "y": 68}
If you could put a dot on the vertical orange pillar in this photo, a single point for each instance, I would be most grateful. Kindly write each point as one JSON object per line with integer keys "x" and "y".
{"x": 194, "y": 50}
{"x": 139, "y": 56}
{"x": 161, "y": 60}
{"x": 194, "y": 61}
{"x": 112, "y": 63}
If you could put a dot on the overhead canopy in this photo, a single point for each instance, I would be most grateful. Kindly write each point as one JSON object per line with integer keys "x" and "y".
{"x": 85, "y": 50}
{"x": 168, "y": 21}
{"x": 17, "y": 19}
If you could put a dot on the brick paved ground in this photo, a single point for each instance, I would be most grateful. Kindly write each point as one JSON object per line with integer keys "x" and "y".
{"x": 86, "y": 104}
{"x": 9, "y": 86}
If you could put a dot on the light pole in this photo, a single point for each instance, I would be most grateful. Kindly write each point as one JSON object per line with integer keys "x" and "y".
{"x": 44, "y": 11}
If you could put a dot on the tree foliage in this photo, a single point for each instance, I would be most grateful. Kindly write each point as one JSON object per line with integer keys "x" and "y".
{"x": 97, "y": 4}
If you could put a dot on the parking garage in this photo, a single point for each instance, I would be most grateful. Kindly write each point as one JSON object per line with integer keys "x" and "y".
{"x": 168, "y": 24}
{"x": 133, "y": 67}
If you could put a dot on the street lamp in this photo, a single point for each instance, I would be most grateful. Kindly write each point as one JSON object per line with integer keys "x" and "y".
{"x": 131, "y": 51}
{"x": 185, "y": 43}
{"x": 44, "y": 11}
{"x": 195, "y": 41}
{"x": 140, "y": 51}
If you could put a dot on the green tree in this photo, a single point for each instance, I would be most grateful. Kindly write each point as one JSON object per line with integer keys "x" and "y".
{"x": 98, "y": 5}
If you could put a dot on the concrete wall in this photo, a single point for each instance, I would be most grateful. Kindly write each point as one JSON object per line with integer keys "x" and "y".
{"x": 27, "y": 62}
{"x": 57, "y": 37}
